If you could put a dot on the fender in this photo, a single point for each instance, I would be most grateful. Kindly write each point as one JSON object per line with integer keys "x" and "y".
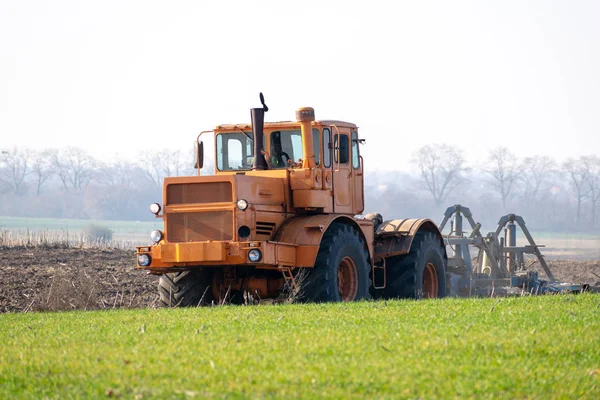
{"x": 306, "y": 232}
{"x": 395, "y": 237}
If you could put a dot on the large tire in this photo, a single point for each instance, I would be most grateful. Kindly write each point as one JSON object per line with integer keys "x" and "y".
{"x": 185, "y": 289}
{"x": 342, "y": 271}
{"x": 419, "y": 274}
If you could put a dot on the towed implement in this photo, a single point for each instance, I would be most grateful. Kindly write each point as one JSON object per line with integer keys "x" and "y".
{"x": 499, "y": 266}
{"x": 278, "y": 216}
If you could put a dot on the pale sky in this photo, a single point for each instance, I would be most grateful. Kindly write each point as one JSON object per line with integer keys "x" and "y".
{"x": 118, "y": 77}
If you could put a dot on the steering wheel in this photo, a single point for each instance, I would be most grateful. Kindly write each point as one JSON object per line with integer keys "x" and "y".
{"x": 280, "y": 161}
{"x": 247, "y": 161}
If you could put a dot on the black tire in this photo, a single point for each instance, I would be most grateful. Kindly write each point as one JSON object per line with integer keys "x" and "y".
{"x": 342, "y": 253}
{"x": 185, "y": 289}
{"x": 406, "y": 274}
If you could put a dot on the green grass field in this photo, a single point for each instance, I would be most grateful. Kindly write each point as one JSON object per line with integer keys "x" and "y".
{"x": 540, "y": 347}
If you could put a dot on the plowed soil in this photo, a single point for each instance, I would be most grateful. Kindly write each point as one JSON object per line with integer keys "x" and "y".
{"x": 71, "y": 278}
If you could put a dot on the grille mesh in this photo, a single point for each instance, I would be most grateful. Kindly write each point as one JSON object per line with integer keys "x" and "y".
{"x": 205, "y": 192}
{"x": 200, "y": 226}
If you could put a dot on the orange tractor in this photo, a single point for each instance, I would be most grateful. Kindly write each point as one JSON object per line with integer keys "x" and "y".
{"x": 281, "y": 205}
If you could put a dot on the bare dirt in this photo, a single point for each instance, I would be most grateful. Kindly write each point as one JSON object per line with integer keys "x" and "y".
{"x": 70, "y": 278}
{"x": 40, "y": 279}
{"x": 572, "y": 271}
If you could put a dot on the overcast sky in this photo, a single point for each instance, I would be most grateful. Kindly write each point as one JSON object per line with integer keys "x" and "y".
{"x": 118, "y": 77}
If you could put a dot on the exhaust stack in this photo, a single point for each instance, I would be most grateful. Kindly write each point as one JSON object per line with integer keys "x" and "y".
{"x": 258, "y": 122}
{"x": 306, "y": 115}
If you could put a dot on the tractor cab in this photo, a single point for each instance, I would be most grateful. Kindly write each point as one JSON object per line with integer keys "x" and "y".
{"x": 319, "y": 161}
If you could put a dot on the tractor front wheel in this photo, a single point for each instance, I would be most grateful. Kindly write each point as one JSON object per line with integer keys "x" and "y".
{"x": 185, "y": 289}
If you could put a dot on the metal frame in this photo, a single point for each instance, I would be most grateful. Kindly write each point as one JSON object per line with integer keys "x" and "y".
{"x": 501, "y": 263}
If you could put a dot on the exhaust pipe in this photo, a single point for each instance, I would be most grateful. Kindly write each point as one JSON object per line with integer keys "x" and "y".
{"x": 258, "y": 123}
{"x": 306, "y": 116}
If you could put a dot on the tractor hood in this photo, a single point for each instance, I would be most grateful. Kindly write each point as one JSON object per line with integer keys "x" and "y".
{"x": 213, "y": 208}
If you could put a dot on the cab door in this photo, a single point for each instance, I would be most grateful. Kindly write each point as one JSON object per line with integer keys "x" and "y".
{"x": 357, "y": 175}
{"x": 343, "y": 191}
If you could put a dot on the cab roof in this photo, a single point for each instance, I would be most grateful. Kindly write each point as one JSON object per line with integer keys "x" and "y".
{"x": 286, "y": 124}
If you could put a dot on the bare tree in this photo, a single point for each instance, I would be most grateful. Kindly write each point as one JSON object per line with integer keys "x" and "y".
{"x": 15, "y": 165}
{"x": 160, "y": 164}
{"x": 120, "y": 174}
{"x": 74, "y": 167}
{"x": 593, "y": 184}
{"x": 578, "y": 171}
{"x": 442, "y": 167}
{"x": 536, "y": 174}
{"x": 504, "y": 169}
{"x": 42, "y": 167}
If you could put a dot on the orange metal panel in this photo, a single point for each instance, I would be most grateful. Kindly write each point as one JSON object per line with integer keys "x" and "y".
{"x": 167, "y": 255}
{"x": 366, "y": 225}
{"x": 395, "y": 237}
{"x": 312, "y": 198}
{"x": 306, "y": 256}
{"x": 359, "y": 195}
{"x": 261, "y": 190}
{"x": 307, "y": 232}
{"x": 286, "y": 254}
{"x": 192, "y": 252}
{"x": 400, "y": 226}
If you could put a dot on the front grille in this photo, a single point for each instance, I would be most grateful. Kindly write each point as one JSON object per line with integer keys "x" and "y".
{"x": 264, "y": 228}
{"x": 199, "y": 226}
{"x": 205, "y": 192}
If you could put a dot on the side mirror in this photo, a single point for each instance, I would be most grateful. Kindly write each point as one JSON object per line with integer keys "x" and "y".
{"x": 199, "y": 155}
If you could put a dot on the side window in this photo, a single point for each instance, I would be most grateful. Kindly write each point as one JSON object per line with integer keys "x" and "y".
{"x": 234, "y": 150}
{"x": 296, "y": 140}
{"x": 342, "y": 146}
{"x": 326, "y": 149}
{"x": 317, "y": 145}
{"x": 355, "y": 152}
{"x": 249, "y": 149}
{"x": 220, "y": 155}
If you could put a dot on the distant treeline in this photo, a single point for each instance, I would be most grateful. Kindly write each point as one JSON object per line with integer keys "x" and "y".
{"x": 551, "y": 196}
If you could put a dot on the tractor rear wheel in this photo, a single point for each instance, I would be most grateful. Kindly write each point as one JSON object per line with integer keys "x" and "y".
{"x": 185, "y": 289}
{"x": 342, "y": 271}
{"x": 419, "y": 274}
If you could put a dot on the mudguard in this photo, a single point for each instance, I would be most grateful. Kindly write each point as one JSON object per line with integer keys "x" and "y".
{"x": 394, "y": 237}
{"x": 306, "y": 232}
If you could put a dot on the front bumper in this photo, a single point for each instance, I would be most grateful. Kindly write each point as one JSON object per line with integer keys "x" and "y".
{"x": 164, "y": 256}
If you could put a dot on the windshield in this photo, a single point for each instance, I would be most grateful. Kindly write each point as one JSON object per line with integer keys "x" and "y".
{"x": 287, "y": 145}
{"x": 235, "y": 149}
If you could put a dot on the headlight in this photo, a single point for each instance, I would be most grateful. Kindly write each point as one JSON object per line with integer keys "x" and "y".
{"x": 254, "y": 255}
{"x": 144, "y": 260}
{"x": 156, "y": 236}
{"x": 154, "y": 208}
{"x": 242, "y": 204}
